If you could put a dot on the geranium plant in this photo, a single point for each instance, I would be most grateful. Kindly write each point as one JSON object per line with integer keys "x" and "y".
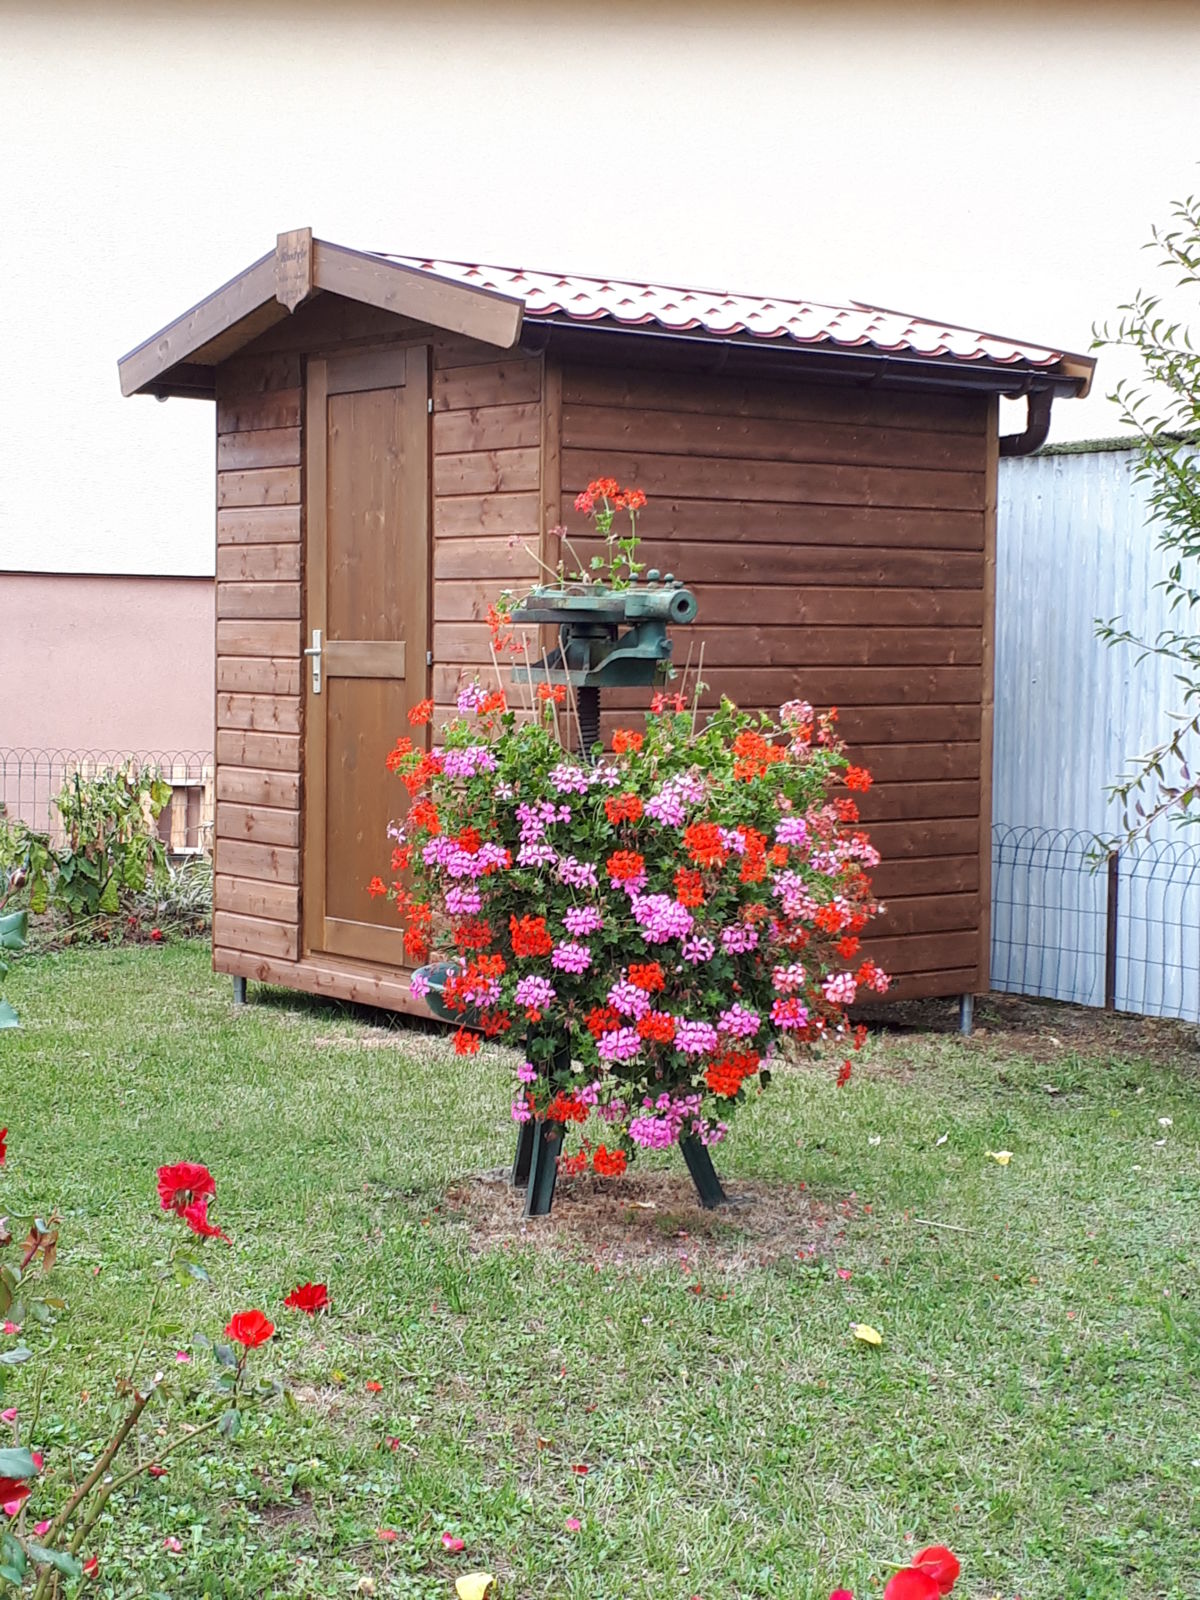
{"x": 653, "y": 925}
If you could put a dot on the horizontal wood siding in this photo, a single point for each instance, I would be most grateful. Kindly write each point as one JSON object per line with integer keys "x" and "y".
{"x": 256, "y": 893}
{"x": 487, "y": 501}
{"x": 838, "y": 542}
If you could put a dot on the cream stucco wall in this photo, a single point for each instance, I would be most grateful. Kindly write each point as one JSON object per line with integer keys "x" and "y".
{"x": 997, "y": 165}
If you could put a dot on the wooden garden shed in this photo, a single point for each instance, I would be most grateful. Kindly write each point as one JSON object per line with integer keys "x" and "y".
{"x": 394, "y": 439}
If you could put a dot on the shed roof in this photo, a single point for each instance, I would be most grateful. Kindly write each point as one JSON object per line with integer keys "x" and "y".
{"x": 726, "y": 315}
{"x": 494, "y": 304}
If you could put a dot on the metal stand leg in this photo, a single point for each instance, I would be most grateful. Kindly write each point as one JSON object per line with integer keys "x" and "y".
{"x": 587, "y": 703}
{"x": 543, "y": 1170}
{"x": 239, "y": 991}
{"x": 966, "y": 1014}
{"x": 704, "y": 1174}
{"x": 524, "y": 1156}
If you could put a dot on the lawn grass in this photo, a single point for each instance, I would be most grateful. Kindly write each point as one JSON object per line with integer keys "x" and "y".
{"x": 1034, "y": 1402}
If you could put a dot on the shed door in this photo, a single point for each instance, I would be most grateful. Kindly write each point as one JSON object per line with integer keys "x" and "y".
{"x": 367, "y": 590}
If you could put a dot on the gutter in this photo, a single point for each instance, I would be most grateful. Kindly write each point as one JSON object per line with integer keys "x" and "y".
{"x": 1037, "y": 425}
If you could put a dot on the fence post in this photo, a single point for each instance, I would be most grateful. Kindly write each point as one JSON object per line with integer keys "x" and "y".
{"x": 1110, "y": 932}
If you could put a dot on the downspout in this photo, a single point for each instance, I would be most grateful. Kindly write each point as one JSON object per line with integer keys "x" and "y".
{"x": 1037, "y": 426}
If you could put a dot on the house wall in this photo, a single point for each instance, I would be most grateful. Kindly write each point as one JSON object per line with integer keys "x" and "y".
{"x": 880, "y": 153}
{"x": 117, "y": 664}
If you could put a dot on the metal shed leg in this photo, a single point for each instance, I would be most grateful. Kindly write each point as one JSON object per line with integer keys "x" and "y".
{"x": 966, "y": 1014}
{"x": 239, "y": 991}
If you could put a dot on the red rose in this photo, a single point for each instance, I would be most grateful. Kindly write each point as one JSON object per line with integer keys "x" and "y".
{"x": 249, "y": 1328}
{"x": 185, "y": 1182}
{"x": 196, "y": 1217}
{"x": 941, "y": 1564}
{"x": 13, "y": 1492}
{"x": 309, "y": 1298}
{"x": 911, "y": 1584}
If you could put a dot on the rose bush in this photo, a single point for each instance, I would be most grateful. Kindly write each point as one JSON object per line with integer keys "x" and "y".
{"x": 655, "y": 926}
{"x": 56, "y": 1547}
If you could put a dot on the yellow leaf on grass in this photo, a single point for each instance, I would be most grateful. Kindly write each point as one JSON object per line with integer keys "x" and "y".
{"x": 1002, "y": 1156}
{"x": 474, "y": 1585}
{"x": 865, "y": 1332}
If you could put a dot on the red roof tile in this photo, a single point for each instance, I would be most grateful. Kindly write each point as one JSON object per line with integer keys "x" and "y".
{"x": 728, "y": 316}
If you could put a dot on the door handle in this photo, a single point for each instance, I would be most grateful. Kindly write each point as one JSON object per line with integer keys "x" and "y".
{"x": 314, "y": 653}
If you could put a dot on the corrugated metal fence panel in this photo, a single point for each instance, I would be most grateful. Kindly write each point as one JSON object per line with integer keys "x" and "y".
{"x": 1074, "y": 545}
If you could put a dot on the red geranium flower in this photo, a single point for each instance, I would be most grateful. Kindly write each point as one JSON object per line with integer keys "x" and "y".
{"x": 626, "y": 739}
{"x": 941, "y": 1564}
{"x": 660, "y": 702}
{"x": 622, "y": 808}
{"x": 602, "y": 1019}
{"x": 623, "y": 864}
{"x": 398, "y": 756}
{"x": 689, "y": 887}
{"x": 658, "y": 1026}
{"x": 529, "y": 936}
{"x": 647, "y": 975}
{"x": 466, "y": 1043}
{"x": 249, "y": 1328}
{"x": 609, "y": 1163}
{"x": 911, "y": 1583}
{"x": 702, "y": 841}
{"x": 309, "y": 1298}
{"x": 857, "y": 778}
{"x": 180, "y": 1185}
{"x": 421, "y": 713}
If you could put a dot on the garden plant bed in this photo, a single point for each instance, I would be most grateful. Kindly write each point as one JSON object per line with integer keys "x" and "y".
{"x": 1033, "y": 1401}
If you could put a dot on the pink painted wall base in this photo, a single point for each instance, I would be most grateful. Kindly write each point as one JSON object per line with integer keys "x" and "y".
{"x": 106, "y": 663}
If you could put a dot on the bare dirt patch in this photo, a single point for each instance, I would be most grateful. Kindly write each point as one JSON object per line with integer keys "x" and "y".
{"x": 1041, "y": 1029}
{"x": 298, "y": 1511}
{"x": 653, "y": 1218}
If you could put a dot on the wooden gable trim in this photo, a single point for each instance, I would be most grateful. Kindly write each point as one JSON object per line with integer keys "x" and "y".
{"x": 273, "y": 287}
{"x": 233, "y": 303}
{"x": 482, "y": 314}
